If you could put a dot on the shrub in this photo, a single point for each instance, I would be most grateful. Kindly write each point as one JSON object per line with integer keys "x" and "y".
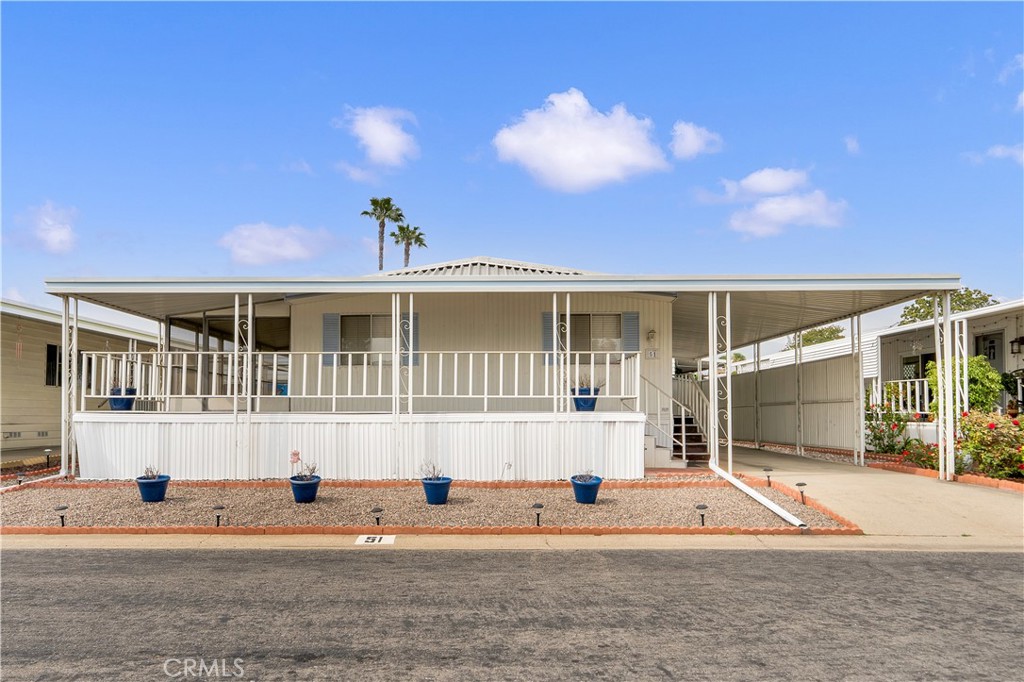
{"x": 984, "y": 384}
{"x": 885, "y": 428}
{"x": 994, "y": 442}
{"x": 926, "y": 456}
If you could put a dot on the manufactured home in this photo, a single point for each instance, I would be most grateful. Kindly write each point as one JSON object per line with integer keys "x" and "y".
{"x": 30, "y": 397}
{"x": 474, "y": 365}
{"x": 893, "y": 368}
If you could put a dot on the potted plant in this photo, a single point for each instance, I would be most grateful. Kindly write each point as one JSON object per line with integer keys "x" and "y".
{"x": 121, "y": 404}
{"x": 153, "y": 485}
{"x": 305, "y": 483}
{"x": 435, "y": 484}
{"x": 585, "y": 486}
{"x": 1009, "y": 381}
{"x": 584, "y": 388}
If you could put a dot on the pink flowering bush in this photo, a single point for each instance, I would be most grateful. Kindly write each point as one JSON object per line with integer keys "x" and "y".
{"x": 995, "y": 444}
{"x": 885, "y": 428}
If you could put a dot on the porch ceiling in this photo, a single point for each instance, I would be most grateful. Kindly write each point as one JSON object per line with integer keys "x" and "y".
{"x": 763, "y": 306}
{"x": 763, "y": 315}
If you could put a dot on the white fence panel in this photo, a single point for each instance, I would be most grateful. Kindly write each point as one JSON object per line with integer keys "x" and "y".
{"x": 477, "y": 446}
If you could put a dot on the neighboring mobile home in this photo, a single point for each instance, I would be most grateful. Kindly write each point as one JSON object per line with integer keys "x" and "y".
{"x": 894, "y": 365}
{"x": 470, "y": 364}
{"x": 30, "y": 399}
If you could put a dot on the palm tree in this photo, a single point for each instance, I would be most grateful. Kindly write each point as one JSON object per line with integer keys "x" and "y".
{"x": 410, "y": 236}
{"x": 383, "y": 211}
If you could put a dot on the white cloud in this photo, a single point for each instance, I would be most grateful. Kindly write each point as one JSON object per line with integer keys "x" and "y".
{"x": 355, "y": 172}
{"x": 1020, "y": 102}
{"x": 772, "y": 215}
{"x": 773, "y": 181}
{"x": 1013, "y": 66}
{"x": 262, "y": 243}
{"x": 690, "y": 140}
{"x": 380, "y": 133}
{"x": 570, "y": 146}
{"x": 759, "y": 183}
{"x": 1003, "y": 151}
{"x": 852, "y": 145}
{"x": 53, "y": 226}
{"x": 300, "y": 166}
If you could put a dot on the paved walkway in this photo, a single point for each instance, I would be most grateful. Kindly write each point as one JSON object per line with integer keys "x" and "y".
{"x": 904, "y": 506}
{"x": 896, "y": 512}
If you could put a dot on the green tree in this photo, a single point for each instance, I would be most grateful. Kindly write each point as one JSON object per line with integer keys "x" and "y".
{"x": 383, "y": 211}
{"x": 959, "y": 301}
{"x": 410, "y": 237}
{"x": 817, "y": 335}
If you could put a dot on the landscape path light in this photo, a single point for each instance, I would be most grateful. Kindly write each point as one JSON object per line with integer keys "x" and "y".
{"x": 802, "y": 499}
{"x": 60, "y": 509}
{"x": 377, "y": 511}
{"x": 768, "y": 472}
{"x": 701, "y": 508}
{"x": 21, "y": 477}
{"x": 537, "y": 506}
{"x": 47, "y": 452}
{"x": 218, "y": 509}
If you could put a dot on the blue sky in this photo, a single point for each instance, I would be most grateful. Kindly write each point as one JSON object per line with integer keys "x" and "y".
{"x": 193, "y": 139}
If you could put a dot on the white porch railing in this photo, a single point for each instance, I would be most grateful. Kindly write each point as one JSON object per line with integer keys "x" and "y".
{"x": 661, "y": 410}
{"x": 688, "y": 391}
{"x": 908, "y": 396}
{"x": 163, "y": 380}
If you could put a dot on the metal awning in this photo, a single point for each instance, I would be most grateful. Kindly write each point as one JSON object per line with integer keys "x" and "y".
{"x": 763, "y": 306}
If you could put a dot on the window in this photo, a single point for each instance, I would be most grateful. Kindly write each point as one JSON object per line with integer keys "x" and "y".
{"x": 915, "y": 366}
{"x": 363, "y": 334}
{"x": 593, "y": 332}
{"x": 53, "y": 365}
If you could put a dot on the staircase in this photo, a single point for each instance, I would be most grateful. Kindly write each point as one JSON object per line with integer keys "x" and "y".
{"x": 685, "y": 430}
{"x": 688, "y": 449}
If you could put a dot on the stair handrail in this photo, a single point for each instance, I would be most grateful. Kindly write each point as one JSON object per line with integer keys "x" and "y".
{"x": 695, "y": 401}
{"x": 647, "y": 387}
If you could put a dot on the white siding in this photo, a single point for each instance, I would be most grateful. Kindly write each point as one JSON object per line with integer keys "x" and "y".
{"x": 541, "y": 446}
{"x": 28, "y": 405}
{"x": 491, "y": 322}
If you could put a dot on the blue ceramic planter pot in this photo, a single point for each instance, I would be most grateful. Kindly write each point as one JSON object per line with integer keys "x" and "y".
{"x": 153, "y": 489}
{"x": 304, "y": 491}
{"x": 585, "y": 492}
{"x": 585, "y": 404}
{"x": 437, "y": 489}
{"x": 122, "y": 404}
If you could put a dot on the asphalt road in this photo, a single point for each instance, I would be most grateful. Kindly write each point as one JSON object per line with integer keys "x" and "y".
{"x": 533, "y": 615}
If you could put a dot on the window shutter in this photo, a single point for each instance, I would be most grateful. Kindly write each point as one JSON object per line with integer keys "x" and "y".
{"x": 546, "y": 329}
{"x": 332, "y": 337}
{"x": 631, "y": 332}
{"x": 415, "y": 338}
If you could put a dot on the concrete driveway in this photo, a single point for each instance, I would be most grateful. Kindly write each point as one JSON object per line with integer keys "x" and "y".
{"x": 902, "y": 506}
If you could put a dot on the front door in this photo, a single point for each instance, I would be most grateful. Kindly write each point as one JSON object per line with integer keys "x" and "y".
{"x": 991, "y": 346}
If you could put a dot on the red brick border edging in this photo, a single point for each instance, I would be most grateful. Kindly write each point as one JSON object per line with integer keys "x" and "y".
{"x": 969, "y": 479}
{"x": 847, "y": 527}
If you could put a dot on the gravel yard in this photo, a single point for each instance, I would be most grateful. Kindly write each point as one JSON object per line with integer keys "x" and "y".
{"x": 403, "y": 506}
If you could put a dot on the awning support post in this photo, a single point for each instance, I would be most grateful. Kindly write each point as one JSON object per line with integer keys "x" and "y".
{"x": 757, "y": 396}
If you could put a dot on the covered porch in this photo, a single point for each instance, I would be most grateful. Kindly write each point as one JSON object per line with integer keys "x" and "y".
{"x": 476, "y": 371}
